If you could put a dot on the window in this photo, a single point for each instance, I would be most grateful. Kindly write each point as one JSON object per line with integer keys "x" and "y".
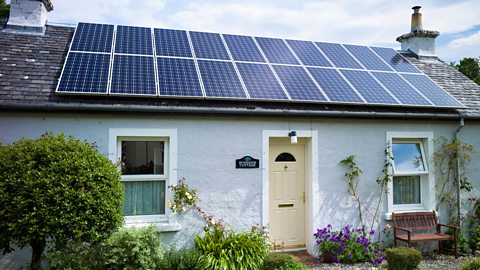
{"x": 410, "y": 188}
{"x": 409, "y": 164}
{"x": 146, "y": 159}
{"x": 285, "y": 157}
{"x": 143, "y": 175}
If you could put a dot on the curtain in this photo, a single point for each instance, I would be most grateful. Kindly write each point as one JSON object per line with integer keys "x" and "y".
{"x": 406, "y": 190}
{"x": 144, "y": 198}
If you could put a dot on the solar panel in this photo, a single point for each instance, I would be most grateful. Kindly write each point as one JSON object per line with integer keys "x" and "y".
{"x": 172, "y": 43}
{"x": 85, "y": 73}
{"x": 397, "y": 61}
{"x": 276, "y": 51}
{"x": 368, "y": 87}
{"x": 178, "y": 77}
{"x": 437, "y": 95}
{"x": 368, "y": 59}
{"x": 133, "y": 75}
{"x": 91, "y": 37}
{"x": 243, "y": 48}
{"x": 208, "y": 45}
{"x": 220, "y": 79}
{"x": 308, "y": 53}
{"x": 133, "y": 40}
{"x": 338, "y": 55}
{"x": 334, "y": 86}
{"x": 400, "y": 89}
{"x": 177, "y": 63}
{"x": 298, "y": 84}
{"x": 260, "y": 81}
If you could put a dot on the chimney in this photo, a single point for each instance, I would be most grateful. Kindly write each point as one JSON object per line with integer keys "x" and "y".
{"x": 419, "y": 42}
{"x": 28, "y": 16}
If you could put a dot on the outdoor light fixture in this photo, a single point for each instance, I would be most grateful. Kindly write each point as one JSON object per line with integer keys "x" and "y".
{"x": 293, "y": 137}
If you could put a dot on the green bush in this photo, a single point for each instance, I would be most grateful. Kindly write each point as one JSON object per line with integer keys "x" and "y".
{"x": 131, "y": 248}
{"x": 476, "y": 239}
{"x": 58, "y": 188}
{"x": 472, "y": 264}
{"x": 183, "y": 259}
{"x": 403, "y": 258}
{"x": 282, "y": 261}
{"x": 224, "y": 249}
{"x": 76, "y": 256}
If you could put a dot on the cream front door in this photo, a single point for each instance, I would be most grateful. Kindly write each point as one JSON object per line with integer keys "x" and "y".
{"x": 287, "y": 194}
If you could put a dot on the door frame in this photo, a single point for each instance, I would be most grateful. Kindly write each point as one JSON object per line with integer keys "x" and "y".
{"x": 311, "y": 172}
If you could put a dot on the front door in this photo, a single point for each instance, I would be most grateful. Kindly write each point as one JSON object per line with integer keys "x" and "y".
{"x": 287, "y": 194}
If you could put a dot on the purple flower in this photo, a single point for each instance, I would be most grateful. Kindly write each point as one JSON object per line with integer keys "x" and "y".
{"x": 372, "y": 232}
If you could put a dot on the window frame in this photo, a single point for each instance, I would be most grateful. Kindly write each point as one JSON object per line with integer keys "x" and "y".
{"x": 167, "y": 221}
{"x": 427, "y": 177}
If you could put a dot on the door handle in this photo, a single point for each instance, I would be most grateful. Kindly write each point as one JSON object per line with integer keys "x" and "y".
{"x": 283, "y": 205}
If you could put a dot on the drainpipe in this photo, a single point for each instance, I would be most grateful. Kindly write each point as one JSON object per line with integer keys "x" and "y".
{"x": 460, "y": 126}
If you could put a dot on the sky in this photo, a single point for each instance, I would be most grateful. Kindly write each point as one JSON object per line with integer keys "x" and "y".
{"x": 366, "y": 22}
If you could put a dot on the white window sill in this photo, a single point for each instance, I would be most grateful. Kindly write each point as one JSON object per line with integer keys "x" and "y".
{"x": 161, "y": 226}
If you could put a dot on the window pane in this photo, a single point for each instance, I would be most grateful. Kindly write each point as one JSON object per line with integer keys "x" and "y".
{"x": 142, "y": 157}
{"x": 406, "y": 190}
{"x": 407, "y": 157}
{"x": 144, "y": 198}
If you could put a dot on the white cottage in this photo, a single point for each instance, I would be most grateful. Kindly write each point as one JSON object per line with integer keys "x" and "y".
{"x": 269, "y": 160}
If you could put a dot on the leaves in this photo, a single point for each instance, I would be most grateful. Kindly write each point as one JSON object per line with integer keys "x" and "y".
{"x": 58, "y": 188}
{"x": 224, "y": 249}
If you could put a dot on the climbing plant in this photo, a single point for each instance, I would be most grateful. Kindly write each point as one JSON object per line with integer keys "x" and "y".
{"x": 353, "y": 174}
{"x": 450, "y": 160}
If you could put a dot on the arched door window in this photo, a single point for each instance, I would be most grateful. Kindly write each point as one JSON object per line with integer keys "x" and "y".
{"x": 285, "y": 157}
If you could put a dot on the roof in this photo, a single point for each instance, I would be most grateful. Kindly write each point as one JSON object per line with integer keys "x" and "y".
{"x": 31, "y": 66}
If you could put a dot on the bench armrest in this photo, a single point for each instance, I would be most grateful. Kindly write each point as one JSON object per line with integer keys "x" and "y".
{"x": 448, "y": 226}
{"x": 454, "y": 228}
{"x": 401, "y": 229}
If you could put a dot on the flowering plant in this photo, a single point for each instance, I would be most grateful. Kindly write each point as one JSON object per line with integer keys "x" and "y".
{"x": 348, "y": 245}
{"x": 183, "y": 197}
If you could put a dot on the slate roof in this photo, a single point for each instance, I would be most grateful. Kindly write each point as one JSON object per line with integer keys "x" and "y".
{"x": 30, "y": 67}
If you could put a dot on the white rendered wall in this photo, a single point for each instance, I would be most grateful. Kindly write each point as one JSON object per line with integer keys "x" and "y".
{"x": 209, "y": 145}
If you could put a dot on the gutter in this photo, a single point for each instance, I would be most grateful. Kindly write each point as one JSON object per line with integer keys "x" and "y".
{"x": 234, "y": 111}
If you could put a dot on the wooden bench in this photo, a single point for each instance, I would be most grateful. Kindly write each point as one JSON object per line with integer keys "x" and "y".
{"x": 417, "y": 227}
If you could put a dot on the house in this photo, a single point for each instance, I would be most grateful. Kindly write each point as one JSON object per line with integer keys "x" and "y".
{"x": 296, "y": 187}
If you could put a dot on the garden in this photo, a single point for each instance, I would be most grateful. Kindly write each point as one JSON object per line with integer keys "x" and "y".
{"x": 65, "y": 202}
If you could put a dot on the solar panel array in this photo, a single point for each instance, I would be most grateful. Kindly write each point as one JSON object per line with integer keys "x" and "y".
{"x": 139, "y": 61}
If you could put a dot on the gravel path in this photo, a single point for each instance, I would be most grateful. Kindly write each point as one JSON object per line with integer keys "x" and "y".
{"x": 430, "y": 261}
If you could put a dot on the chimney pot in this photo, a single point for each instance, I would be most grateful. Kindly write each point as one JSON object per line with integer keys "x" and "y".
{"x": 416, "y": 19}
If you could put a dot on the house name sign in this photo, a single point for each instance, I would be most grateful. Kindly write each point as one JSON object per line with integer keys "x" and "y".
{"x": 247, "y": 162}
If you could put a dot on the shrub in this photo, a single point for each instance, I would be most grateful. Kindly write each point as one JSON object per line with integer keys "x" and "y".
{"x": 75, "y": 256}
{"x": 224, "y": 249}
{"x": 183, "y": 259}
{"x": 472, "y": 264}
{"x": 348, "y": 245}
{"x": 403, "y": 258}
{"x": 282, "y": 261}
{"x": 58, "y": 188}
{"x": 132, "y": 248}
